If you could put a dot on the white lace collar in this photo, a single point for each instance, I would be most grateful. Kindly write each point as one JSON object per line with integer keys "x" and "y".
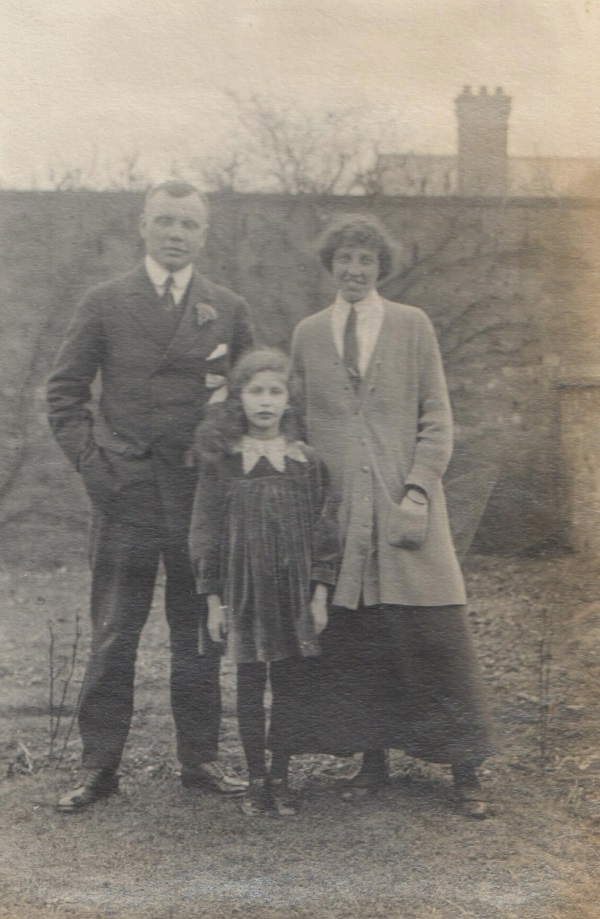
{"x": 275, "y": 450}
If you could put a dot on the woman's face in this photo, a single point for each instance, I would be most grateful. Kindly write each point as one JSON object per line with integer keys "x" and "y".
{"x": 355, "y": 270}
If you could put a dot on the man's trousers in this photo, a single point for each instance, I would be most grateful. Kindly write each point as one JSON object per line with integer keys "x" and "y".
{"x": 125, "y": 561}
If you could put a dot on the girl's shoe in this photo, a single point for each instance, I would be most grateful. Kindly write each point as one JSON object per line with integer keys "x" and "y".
{"x": 285, "y": 801}
{"x": 256, "y": 800}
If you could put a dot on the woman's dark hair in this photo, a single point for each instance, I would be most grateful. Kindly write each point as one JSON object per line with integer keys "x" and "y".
{"x": 358, "y": 230}
{"x": 225, "y": 423}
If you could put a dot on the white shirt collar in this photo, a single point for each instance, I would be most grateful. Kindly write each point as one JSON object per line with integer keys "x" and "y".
{"x": 372, "y": 303}
{"x": 369, "y": 319}
{"x": 158, "y": 275}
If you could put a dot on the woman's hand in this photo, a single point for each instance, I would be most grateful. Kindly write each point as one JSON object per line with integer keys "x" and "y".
{"x": 318, "y": 608}
{"x": 217, "y": 619}
{"x": 407, "y": 522}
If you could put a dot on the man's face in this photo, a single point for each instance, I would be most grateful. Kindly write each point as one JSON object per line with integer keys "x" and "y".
{"x": 174, "y": 229}
{"x": 355, "y": 270}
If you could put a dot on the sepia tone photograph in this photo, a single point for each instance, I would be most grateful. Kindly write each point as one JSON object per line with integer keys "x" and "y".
{"x": 300, "y": 459}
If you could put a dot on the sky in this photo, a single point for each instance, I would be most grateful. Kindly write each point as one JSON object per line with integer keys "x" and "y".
{"x": 85, "y": 81}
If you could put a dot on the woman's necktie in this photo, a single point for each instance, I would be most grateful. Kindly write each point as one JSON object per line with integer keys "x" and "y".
{"x": 351, "y": 349}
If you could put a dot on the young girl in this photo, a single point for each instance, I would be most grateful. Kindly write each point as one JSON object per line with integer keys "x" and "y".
{"x": 263, "y": 545}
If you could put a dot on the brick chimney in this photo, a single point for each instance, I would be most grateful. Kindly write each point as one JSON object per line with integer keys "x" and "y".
{"x": 482, "y": 142}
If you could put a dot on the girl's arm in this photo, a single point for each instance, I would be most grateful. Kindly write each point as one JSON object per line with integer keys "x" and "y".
{"x": 326, "y": 549}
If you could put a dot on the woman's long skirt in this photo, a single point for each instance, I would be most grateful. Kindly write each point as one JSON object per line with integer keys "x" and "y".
{"x": 395, "y": 676}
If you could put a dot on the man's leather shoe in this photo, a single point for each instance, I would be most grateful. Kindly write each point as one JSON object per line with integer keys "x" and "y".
{"x": 212, "y": 777}
{"x": 99, "y": 783}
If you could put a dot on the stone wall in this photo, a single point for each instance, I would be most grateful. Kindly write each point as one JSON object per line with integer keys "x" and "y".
{"x": 496, "y": 277}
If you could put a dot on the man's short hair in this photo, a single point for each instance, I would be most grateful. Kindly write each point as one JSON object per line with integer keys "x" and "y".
{"x": 176, "y": 188}
{"x": 358, "y": 230}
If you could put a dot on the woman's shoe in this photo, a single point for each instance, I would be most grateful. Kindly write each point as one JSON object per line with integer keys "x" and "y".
{"x": 472, "y": 802}
{"x": 370, "y": 778}
{"x": 256, "y": 800}
{"x": 285, "y": 801}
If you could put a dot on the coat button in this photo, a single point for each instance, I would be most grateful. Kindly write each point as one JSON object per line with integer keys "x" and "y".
{"x": 365, "y": 469}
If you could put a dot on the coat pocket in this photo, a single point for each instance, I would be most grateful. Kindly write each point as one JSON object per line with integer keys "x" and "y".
{"x": 406, "y": 524}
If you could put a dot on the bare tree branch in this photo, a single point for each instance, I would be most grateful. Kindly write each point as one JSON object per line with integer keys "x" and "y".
{"x": 285, "y": 148}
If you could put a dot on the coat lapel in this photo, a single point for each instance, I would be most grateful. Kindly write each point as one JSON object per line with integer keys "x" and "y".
{"x": 370, "y": 377}
{"x": 368, "y": 381}
{"x": 327, "y": 342}
{"x": 327, "y": 336}
{"x": 202, "y": 336}
{"x": 141, "y": 298}
{"x": 189, "y": 334}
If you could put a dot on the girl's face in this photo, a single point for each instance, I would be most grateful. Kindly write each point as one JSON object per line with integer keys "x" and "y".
{"x": 264, "y": 400}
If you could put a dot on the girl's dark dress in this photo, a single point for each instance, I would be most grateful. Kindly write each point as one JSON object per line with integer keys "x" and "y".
{"x": 262, "y": 534}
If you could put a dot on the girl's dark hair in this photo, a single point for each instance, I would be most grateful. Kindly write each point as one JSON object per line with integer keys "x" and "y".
{"x": 225, "y": 423}
{"x": 358, "y": 230}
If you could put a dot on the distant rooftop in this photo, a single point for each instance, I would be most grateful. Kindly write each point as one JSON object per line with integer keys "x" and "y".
{"x": 528, "y": 176}
{"x": 481, "y": 166}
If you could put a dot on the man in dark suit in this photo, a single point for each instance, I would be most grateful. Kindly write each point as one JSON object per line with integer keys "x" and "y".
{"x": 162, "y": 339}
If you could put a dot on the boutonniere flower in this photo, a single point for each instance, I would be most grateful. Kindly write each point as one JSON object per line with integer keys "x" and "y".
{"x": 205, "y": 313}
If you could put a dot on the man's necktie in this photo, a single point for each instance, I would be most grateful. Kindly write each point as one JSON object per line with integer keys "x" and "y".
{"x": 351, "y": 349}
{"x": 168, "y": 300}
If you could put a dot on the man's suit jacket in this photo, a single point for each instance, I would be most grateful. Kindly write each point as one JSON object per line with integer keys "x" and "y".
{"x": 153, "y": 391}
{"x": 400, "y": 421}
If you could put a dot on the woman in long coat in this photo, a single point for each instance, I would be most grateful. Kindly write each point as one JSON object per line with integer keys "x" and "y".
{"x": 378, "y": 412}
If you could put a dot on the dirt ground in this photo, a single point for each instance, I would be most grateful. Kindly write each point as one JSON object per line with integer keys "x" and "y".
{"x": 159, "y": 852}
